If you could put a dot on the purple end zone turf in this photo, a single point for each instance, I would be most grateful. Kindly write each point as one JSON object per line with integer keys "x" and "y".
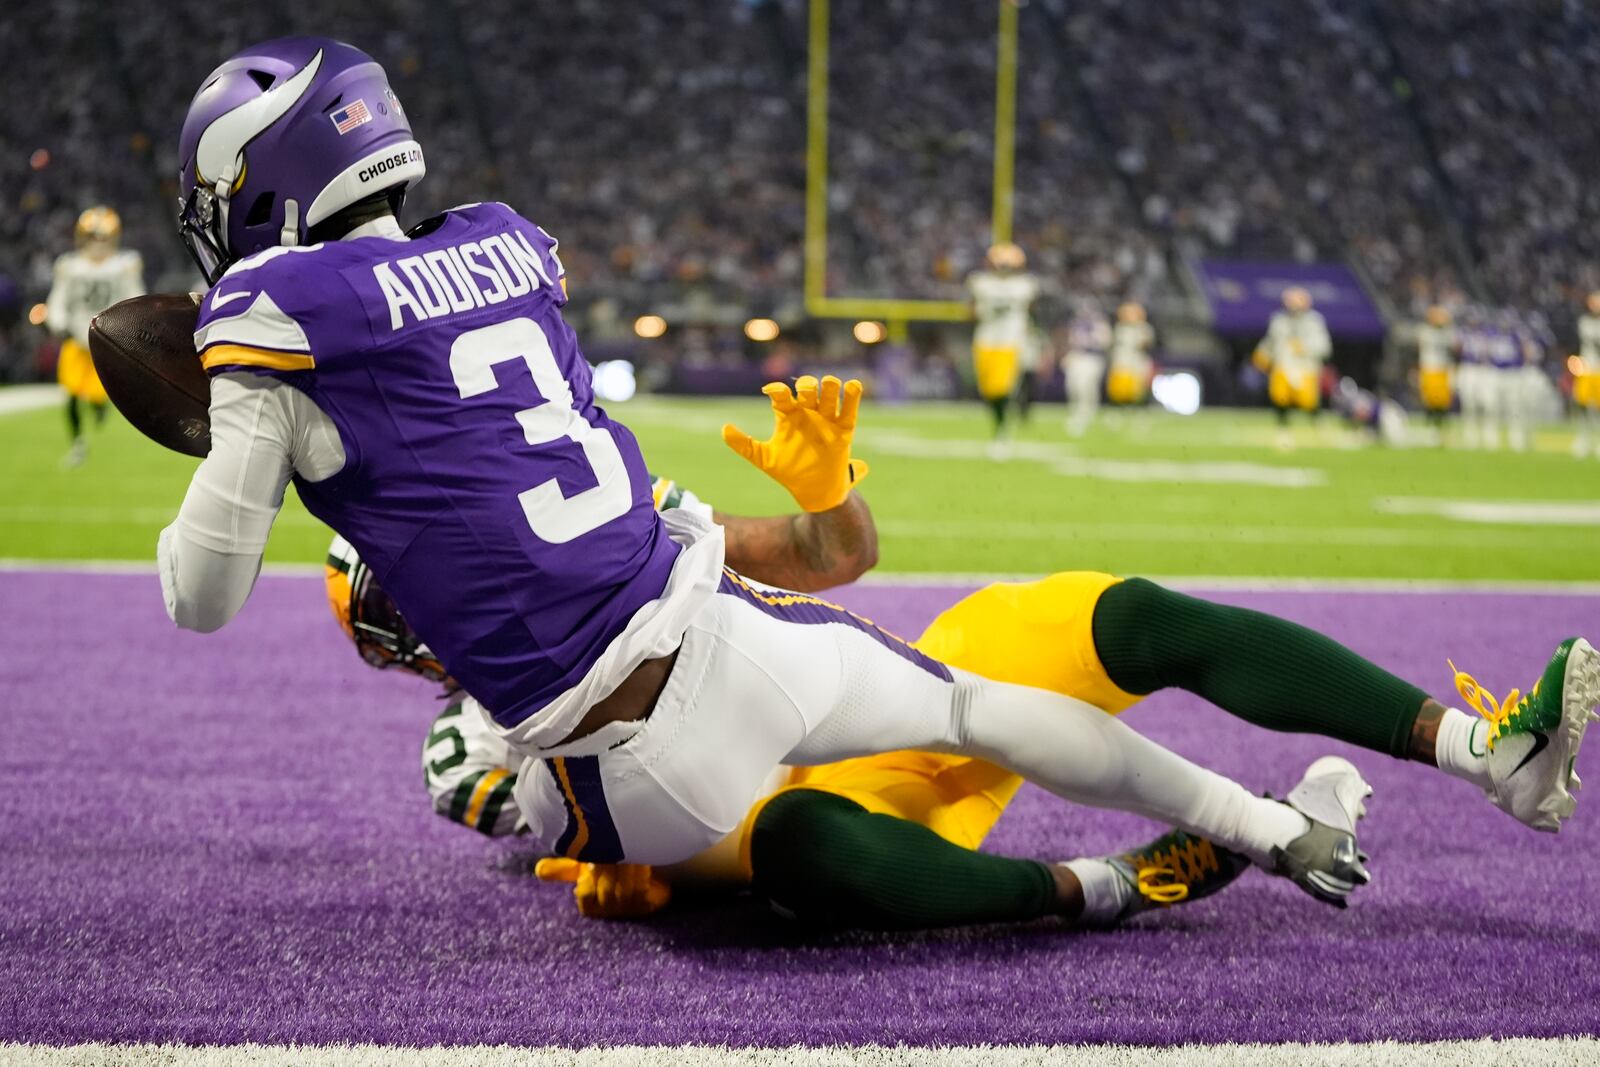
{"x": 225, "y": 839}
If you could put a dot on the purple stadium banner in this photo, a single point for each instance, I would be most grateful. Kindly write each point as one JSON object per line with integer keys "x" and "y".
{"x": 1243, "y": 294}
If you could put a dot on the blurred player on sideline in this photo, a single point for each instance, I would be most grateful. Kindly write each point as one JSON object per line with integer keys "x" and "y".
{"x": 1586, "y": 379}
{"x": 1034, "y": 347}
{"x": 1509, "y": 350}
{"x": 1088, "y": 339}
{"x": 1128, "y": 384}
{"x": 86, "y": 282}
{"x": 1292, "y": 352}
{"x": 1001, "y": 297}
{"x": 1436, "y": 347}
{"x": 1475, "y": 380}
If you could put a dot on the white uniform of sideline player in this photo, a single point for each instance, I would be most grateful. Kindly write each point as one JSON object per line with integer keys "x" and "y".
{"x": 1509, "y": 352}
{"x": 1436, "y": 363}
{"x": 1088, "y": 338}
{"x": 1001, "y": 298}
{"x": 1586, "y": 379}
{"x": 1475, "y": 382}
{"x": 1295, "y": 347}
{"x": 85, "y": 283}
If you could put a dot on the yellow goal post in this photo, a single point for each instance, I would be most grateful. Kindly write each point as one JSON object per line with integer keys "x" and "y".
{"x": 894, "y": 311}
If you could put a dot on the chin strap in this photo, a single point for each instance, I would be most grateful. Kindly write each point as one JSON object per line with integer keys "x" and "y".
{"x": 290, "y": 234}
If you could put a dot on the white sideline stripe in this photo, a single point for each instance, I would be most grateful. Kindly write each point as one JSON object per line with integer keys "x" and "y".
{"x": 1170, "y": 533}
{"x": 1247, "y": 584}
{"x": 1514, "y": 1052}
{"x": 16, "y": 399}
{"x": 963, "y": 580}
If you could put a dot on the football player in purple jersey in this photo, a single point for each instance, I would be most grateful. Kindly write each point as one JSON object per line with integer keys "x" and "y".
{"x": 431, "y": 404}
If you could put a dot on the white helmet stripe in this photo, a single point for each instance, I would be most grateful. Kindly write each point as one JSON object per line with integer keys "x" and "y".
{"x": 217, "y": 156}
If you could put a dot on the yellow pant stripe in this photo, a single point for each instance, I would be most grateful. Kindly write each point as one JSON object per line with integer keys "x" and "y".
{"x": 480, "y": 795}
{"x": 581, "y": 838}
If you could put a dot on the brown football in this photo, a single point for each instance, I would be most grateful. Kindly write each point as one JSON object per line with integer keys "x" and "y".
{"x": 143, "y": 349}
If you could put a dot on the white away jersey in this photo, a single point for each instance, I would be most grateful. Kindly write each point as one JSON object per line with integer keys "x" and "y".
{"x": 1001, "y": 303}
{"x": 1130, "y": 346}
{"x": 83, "y": 287}
{"x": 1436, "y": 347}
{"x": 1589, "y": 343}
{"x": 470, "y": 771}
{"x": 1298, "y": 343}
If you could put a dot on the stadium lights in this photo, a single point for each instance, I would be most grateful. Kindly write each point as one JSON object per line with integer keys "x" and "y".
{"x": 37, "y": 313}
{"x": 1178, "y": 392}
{"x": 614, "y": 381}
{"x": 649, "y": 326}
{"x": 870, "y": 333}
{"x": 761, "y": 329}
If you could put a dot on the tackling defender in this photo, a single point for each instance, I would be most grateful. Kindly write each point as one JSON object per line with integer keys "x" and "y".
{"x": 86, "y": 282}
{"x": 431, "y": 404}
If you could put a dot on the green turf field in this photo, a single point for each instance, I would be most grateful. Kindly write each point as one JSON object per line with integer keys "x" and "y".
{"x": 1206, "y": 495}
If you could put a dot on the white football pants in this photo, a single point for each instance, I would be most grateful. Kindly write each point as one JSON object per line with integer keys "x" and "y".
{"x": 1085, "y": 373}
{"x": 766, "y": 677}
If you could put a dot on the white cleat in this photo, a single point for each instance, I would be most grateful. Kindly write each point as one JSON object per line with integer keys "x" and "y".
{"x": 1325, "y": 860}
{"x": 1534, "y": 741}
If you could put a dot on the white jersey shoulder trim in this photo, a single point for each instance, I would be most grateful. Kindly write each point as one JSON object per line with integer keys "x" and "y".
{"x": 261, "y": 325}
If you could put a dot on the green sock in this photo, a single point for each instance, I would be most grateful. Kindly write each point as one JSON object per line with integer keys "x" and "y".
{"x": 1263, "y": 669}
{"x": 828, "y": 861}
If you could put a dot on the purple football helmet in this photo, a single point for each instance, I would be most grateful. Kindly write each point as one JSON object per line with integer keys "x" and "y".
{"x": 281, "y": 136}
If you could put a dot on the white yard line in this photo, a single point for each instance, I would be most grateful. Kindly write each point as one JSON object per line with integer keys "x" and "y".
{"x": 15, "y": 399}
{"x": 1496, "y": 512}
{"x": 1516, "y": 1052}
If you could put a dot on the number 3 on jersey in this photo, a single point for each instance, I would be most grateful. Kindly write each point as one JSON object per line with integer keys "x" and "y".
{"x": 552, "y": 515}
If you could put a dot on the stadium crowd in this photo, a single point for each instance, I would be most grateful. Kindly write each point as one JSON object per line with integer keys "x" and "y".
{"x": 1442, "y": 147}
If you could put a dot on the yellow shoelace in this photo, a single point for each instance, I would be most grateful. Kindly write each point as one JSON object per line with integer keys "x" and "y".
{"x": 1498, "y": 712}
{"x": 1158, "y": 884}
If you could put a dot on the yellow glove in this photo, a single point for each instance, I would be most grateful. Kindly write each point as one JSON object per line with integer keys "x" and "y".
{"x": 608, "y": 890}
{"x": 1262, "y": 361}
{"x": 809, "y": 450}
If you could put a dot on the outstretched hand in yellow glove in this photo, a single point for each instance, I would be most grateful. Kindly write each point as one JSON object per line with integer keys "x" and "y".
{"x": 608, "y": 890}
{"x": 809, "y": 450}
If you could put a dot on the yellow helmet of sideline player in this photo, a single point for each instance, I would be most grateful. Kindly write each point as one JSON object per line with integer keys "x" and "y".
{"x": 1296, "y": 299}
{"x": 1438, "y": 316}
{"x": 1132, "y": 311}
{"x": 370, "y": 618}
{"x": 1006, "y": 256}
{"x": 100, "y": 226}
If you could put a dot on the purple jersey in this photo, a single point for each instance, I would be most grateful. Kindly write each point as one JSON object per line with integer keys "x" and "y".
{"x": 1089, "y": 333}
{"x": 509, "y": 517}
